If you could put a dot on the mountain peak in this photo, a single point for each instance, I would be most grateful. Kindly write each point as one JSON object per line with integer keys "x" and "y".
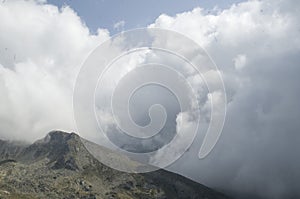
{"x": 59, "y": 136}
{"x": 59, "y": 166}
{"x": 58, "y": 149}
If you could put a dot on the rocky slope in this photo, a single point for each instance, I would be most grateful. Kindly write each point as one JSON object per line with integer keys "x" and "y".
{"x": 59, "y": 166}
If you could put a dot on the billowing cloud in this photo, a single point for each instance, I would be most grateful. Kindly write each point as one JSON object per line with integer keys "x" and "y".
{"x": 256, "y": 46}
{"x": 41, "y": 50}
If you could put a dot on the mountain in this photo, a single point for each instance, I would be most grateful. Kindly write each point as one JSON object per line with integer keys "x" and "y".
{"x": 59, "y": 166}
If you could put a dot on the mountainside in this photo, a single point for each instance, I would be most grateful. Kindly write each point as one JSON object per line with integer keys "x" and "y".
{"x": 59, "y": 166}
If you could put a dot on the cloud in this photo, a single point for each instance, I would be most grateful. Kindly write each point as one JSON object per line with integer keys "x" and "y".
{"x": 119, "y": 25}
{"x": 240, "y": 61}
{"x": 41, "y": 50}
{"x": 255, "y": 44}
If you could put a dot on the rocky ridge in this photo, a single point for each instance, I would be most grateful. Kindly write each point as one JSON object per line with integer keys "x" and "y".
{"x": 59, "y": 166}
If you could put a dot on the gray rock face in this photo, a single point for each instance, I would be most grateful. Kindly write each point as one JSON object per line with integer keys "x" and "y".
{"x": 9, "y": 150}
{"x": 59, "y": 166}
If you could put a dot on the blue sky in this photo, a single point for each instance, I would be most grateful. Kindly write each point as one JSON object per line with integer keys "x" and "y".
{"x": 135, "y": 13}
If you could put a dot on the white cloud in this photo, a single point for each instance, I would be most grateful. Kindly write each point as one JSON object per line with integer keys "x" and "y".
{"x": 184, "y": 123}
{"x": 41, "y": 50}
{"x": 240, "y": 61}
{"x": 119, "y": 25}
{"x": 256, "y": 45}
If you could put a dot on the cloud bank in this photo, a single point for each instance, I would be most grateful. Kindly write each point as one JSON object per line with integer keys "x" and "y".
{"x": 256, "y": 45}
{"x": 41, "y": 50}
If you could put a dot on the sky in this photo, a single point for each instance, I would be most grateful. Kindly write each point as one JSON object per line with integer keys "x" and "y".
{"x": 118, "y": 15}
{"x": 255, "y": 44}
